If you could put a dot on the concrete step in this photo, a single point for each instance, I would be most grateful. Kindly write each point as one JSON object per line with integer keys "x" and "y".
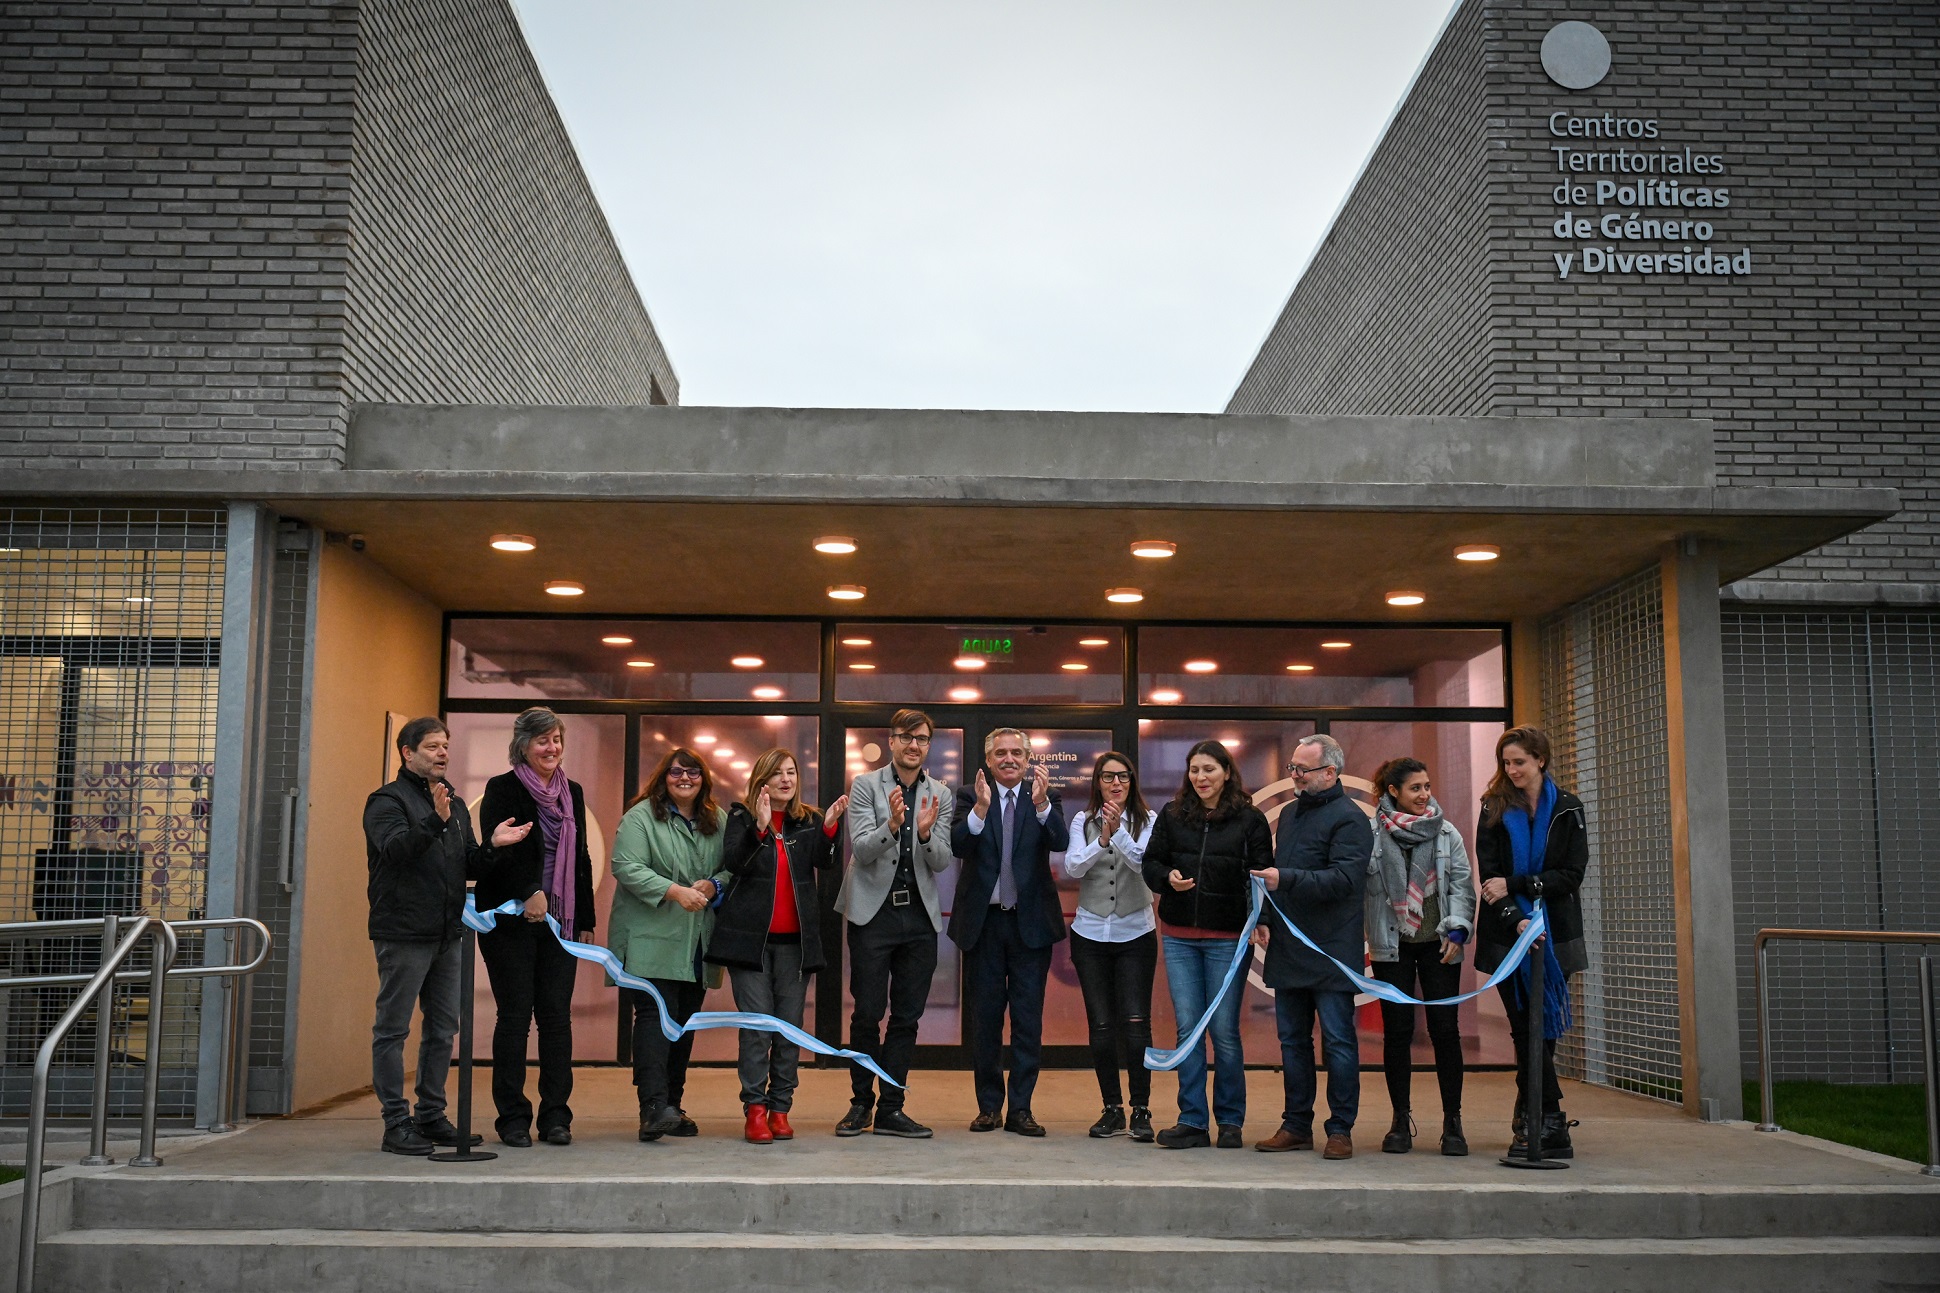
{"x": 554, "y": 1262}
{"x": 1299, "y": 1209}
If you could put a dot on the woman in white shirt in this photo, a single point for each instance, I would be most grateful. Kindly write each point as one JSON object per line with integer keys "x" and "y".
{"x": 1114, "y": 939}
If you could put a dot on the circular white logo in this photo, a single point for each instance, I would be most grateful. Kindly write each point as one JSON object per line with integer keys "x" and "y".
{"x": 1576, "y": 55}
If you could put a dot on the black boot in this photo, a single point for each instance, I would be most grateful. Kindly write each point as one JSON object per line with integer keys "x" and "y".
{"x": 1556, "y": 1135}
{"x": 1454, "y": 1143}
{"x": 1519, "y": 1140}
{"x": 1401, "y": 1137}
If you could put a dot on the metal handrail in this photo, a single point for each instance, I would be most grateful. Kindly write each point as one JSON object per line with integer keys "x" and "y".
{"x": 1930, "y": 1046}
{"x": 102, "y": 981}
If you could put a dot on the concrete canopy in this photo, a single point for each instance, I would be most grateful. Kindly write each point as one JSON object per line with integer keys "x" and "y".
{"x": 709, "y": 511}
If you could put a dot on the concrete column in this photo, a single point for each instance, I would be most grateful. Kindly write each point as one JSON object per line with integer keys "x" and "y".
{"x": 235, "y": 794}
{"x": 1701, "y": 832}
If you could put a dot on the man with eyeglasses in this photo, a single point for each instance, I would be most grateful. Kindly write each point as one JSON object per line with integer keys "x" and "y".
{"x": 1318, "y": 878}
{"x": 899, "y": 839}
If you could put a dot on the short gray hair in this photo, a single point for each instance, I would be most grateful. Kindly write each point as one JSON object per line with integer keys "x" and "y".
{"x": 990, "y": 737}
{"x": 1331, "y": 755}
{"x": 529, "y": 726}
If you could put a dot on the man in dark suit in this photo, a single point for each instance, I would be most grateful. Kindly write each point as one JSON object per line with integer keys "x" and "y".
{"x": 1006, "y": 918}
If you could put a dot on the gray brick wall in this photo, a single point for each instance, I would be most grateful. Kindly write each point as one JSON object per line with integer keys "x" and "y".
{"x": 1816, "y": 367}
{"x": 222, "y": 224}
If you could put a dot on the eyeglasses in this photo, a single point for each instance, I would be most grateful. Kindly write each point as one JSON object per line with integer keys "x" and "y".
{"x": 685, "y": 774}
{"x": 1116, "y": 777}
{"x": 910, "y": 738}
{"x": 1296, "y": 771}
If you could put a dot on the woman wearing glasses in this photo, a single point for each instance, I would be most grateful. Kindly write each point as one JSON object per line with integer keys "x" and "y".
{"x": 1203, "y": 847}
{"x": 667, "y": 862}
{"x": 1114, "y": 939}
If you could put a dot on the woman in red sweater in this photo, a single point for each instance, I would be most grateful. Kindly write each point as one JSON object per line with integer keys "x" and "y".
{"x": 768, "y": 932}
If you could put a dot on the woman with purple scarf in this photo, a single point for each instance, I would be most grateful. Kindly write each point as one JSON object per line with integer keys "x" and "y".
{"x": 550, "y": 871}
{"x": 1532, "y": 846}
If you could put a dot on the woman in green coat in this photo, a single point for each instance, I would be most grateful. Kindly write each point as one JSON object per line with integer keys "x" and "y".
{"x": 667, "y": 862}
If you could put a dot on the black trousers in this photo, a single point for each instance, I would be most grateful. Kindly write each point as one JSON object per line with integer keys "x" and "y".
{"x": 1420, "y": 973}
{"x": 1001, "y": 974}
{"x": 532, "y": 979}
{"x": 1519, "y": 1033}
{"x": 891, "y": 962}
{"x": 660, "y": 1066}
{"x": 1116, "y": 979}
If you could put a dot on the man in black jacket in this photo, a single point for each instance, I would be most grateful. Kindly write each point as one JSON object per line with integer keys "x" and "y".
{"x": 1318, "y": 879}
{"x": 418, "y": 842}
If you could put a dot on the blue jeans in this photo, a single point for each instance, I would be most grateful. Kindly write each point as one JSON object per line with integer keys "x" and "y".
{"x": 1194, "y": 969}
{"x": 1296, "y": 1008}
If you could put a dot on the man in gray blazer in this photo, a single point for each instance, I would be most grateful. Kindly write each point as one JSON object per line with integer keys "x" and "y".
{"x": 899, "y": 839}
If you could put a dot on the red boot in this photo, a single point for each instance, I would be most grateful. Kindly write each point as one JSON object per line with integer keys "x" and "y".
{"x": 778, "y": 1125}
{"x": 757, "y": 1132}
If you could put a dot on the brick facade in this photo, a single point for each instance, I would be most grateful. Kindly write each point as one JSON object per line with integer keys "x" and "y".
{"x": 1816, "y": 367}
{"x": 222, "y": 224}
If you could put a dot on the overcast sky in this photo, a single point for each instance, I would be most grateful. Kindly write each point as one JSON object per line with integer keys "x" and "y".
{"x": 975, "y": 204}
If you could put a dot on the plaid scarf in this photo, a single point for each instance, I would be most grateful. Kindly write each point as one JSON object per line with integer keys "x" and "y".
{"x": 1407, "y": 844}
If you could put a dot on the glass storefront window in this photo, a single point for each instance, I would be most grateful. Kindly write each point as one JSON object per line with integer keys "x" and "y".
{"x": 1302, "y": 666}
{"x": 979, "y": 664}
{"x": 537, "y": 660}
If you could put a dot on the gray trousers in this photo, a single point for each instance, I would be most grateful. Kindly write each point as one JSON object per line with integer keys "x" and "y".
{"x": 768, "y": 1060}
{"x": 425, "y": 975}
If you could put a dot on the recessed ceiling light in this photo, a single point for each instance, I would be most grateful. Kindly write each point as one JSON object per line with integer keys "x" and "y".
{"x": 723, "y": 752}
{"x": 747, "y": 662}
{"x": 739, "y": 765}
{"x": 970, "y": 662}
{"x": 1202, "y": 666}
{"x": 565, "y": 588}
{"x": 863, "y": 665}
{"x": 1094, "y": 642}
{"x": 617, "y": 639}
{"x": 836, "y": 545}
{"x": 1166, "y": 696}
{"x": 965, "y": 694}
{"x": 138, "y": 600}
{"x": 1154, "y": 548}
{"x": 705, "y": 738}
{"x": 514, "y": 542}
{"x": 1124, "y": 595}
{"x": 8, "y": 551}
{"x": 858, "y": 641}
{"x": 1039, "y": 742}
{"x": 848, "y": 592}
{"x": 1300, "y": 668}
{"x": 1405, "y": 599}
{"x": 1477, "y": 552}
{"x": 1074, "y": 666}
{"x": 639, "y": 664}
{"x": 766, "y": 693}
{"x": 1335, "y": 646}
{"x": 1231, "y": 742}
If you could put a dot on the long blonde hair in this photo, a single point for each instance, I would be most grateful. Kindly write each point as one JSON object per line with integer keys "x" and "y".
{"x": 765, "y": 767}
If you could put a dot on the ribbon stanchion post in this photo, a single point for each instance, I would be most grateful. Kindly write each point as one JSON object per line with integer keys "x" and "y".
{"x": 1532, "y": 1076}
{"x": 465, "y": 1151}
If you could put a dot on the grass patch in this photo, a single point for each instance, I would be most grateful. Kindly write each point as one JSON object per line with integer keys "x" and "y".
{"x": 1884, "y": 1119}
{"x": 10, "y": 1174}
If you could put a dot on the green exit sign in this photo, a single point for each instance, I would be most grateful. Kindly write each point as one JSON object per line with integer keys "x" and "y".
{"x": 991, "y": 647}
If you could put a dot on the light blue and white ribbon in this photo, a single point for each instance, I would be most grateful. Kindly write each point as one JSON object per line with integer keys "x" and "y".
{"x": 604, "y": 958}
{"x": 1164, "y": 1061}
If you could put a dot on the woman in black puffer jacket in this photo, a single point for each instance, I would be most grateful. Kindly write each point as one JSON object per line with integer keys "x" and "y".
{"x": 1204, "y": 845}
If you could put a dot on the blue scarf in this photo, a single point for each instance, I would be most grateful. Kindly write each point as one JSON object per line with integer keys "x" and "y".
{"x": 1527, "y": 838}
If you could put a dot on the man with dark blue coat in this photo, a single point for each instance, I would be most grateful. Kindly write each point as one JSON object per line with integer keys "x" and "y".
{"x": 1318, "y": 878}
{"x": 1006, "y": 919}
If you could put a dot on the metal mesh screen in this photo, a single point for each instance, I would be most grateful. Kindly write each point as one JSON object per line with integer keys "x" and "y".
{"x": 1603, "y": 701}
{"x": 109, "y": 644}
{"x": 1833, "y": 721}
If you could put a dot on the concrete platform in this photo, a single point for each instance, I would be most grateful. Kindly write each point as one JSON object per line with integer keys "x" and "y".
{"x": 1653, "y": 1200}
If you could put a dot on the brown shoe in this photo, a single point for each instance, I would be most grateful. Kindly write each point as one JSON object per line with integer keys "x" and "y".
{"x": 1339, "y": 1145}
{"x": 1281, "y": 1141}
{"x": 987, "y": 1122}
{"x": 1021, "y": 1123}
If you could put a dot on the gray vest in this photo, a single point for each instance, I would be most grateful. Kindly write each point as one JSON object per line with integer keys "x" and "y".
{"x": 1112, "y": 887}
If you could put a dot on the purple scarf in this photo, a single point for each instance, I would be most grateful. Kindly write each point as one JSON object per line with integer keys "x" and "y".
{"x": 561, "y": 838}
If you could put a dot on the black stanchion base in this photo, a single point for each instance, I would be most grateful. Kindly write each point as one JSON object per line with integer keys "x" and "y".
{"x": 466, "y": 1155}
{"x": 1538, "y": 1164}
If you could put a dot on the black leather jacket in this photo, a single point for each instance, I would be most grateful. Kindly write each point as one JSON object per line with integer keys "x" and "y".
{"x": 1219, "y": 853}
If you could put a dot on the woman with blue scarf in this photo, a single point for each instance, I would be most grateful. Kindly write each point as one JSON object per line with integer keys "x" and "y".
{"x": 1532, "y": 846}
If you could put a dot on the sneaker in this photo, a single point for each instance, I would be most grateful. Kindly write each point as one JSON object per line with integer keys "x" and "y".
{"x": 1454, "y": 1143}
{"x": 1110, "y": 1123}
{"x": 1141, "y": 1124}
{"x": 406, "y": 1139}
{"x": 894, "y": 1122}
{"x": 856, "y": 1121}
{"x": 1184, "y": 1137}
{"x": 1229, "y": 1137}
{"x": 442, "y": 1132}
{"x": 1401, "y": 1136}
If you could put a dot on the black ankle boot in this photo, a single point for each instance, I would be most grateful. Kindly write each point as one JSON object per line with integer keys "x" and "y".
{"x": 1519, "y": 1139}
{"x": 1454, "y": 1143}
{"x": 1401, "y": 1137}
{"x": 1142, "y": 1124}
{"x": 1556, "y": 1135}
